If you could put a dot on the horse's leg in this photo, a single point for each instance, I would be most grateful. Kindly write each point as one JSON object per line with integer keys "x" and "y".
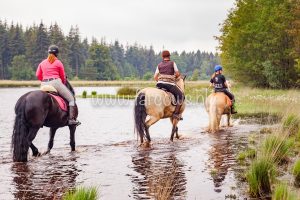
{"x": 147, "y": 133}
{"x": 31, "y": 136}
{"x": 35, "y": 151}
{"x": 228, "y": 120}
{"x": 72, "y": 129}
{"x": 149, "y": 123}
{"x": 174, "y": 128}
{"x": 51, "y": 139}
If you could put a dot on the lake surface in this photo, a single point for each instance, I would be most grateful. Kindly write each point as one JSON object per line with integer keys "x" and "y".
{"x": 107, "y": 155}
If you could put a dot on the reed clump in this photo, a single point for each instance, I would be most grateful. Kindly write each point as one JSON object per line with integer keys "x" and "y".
{"x": 94, "y": 93}
{"x": 296, "y": 172}
{"x": 84, "y": 94}
{"x": 127, "y": 91}
{"x": 277, "y": 147}
{"x": 260, "y": 176}
{"x": 282, "y": 192}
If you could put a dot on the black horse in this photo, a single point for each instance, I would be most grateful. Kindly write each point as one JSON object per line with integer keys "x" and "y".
{"x": 34, "y": 110}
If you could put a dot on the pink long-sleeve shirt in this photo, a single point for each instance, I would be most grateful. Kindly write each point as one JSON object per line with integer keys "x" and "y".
{"x": 47, "y": 70}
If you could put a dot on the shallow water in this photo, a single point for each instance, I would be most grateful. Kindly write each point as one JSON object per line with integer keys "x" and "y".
{"x": 201, "y": 165}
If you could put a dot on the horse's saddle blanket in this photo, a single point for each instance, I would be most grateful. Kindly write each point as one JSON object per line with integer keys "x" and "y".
{"x": 53, "y": 92}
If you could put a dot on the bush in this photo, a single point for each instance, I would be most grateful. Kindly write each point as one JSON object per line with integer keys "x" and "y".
{"x": 94, "y": 93}
{"x": 82, "y": 193}
{"x": 84, "y": 93}
{"x": 127, "y": 91}
{"x": 260, "y": 176}
{"x": 282, "y": 192}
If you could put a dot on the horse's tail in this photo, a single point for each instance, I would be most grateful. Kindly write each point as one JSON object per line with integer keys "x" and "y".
{"x": 213, "y": 119}
{"x": 19, "y": 143}
{"x": 140, "y": 115}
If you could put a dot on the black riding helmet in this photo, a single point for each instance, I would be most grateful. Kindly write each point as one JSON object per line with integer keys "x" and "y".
{"x": 53, "y": 49}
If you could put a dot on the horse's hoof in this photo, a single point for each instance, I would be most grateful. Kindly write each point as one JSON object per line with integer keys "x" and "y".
{"x": 230, "y": 125}
{"x": 46, "y": 152}
{"x": 146, "y": 145}
{"x": 37, "y": 155}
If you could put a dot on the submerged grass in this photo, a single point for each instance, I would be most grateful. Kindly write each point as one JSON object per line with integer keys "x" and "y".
{"x": 82, "y": 193}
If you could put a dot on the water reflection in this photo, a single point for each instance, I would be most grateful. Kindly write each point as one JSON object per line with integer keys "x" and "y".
{"x": 158, "y": 175}
{"x": 45, "y": 179}
{"x": 221, "y": 157}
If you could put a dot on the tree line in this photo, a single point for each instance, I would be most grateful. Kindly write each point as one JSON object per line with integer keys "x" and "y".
{"x": 260, "y": 43}
{"x": 22, "y": 49}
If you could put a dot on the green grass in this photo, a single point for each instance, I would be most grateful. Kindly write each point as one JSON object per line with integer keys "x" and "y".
{"x": 277, "y": 147}
{"x": 291, "y": 123}
{"x": 260, "y": 176}
{"x": 249, "y": 153}
{"x": 282, "y": 192}
{"x": 82, "y": 193}
{"x": 296, "y": 172}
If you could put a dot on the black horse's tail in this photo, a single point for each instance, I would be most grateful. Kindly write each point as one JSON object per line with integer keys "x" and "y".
{"x": 140, "y": 115}
{"x": 19, "y": 143}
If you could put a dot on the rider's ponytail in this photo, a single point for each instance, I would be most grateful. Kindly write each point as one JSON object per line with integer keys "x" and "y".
{"x": 213, "y": 75}
{"x": 51, "y": 58}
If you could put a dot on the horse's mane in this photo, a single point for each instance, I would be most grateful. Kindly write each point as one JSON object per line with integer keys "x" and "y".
{"x": 69, "y": 86}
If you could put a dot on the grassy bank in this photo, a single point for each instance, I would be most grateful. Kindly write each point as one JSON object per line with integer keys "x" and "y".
{"x": 273, "y": 170}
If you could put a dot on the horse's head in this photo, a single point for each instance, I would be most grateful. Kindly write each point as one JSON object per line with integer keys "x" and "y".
{"x": 180, "y": 82}
{"x": 69, "y": 86}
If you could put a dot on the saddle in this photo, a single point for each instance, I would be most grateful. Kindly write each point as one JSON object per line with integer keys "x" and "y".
{"x": 63, "y": 104}
{"x": 170, "y": 95}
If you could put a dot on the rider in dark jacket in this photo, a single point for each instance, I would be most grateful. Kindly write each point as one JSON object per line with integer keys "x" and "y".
{"x": 165, "y": 75}
{"x": 219, "y": 83}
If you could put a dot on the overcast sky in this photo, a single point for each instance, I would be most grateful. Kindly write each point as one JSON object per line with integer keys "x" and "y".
{"x": 170, "y": 24}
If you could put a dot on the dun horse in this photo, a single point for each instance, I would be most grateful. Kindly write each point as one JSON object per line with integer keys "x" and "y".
{"x": 217, "y": 104}
{"x": 34, "y": 110}
{"x": 153, "y": 104}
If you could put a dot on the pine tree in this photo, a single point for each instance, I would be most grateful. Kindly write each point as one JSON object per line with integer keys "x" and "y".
{"x": 40, "y": 47}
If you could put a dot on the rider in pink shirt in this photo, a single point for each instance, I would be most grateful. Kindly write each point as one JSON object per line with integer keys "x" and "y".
{"x": 46, "y": 70}
{"x": 51, "y": 72}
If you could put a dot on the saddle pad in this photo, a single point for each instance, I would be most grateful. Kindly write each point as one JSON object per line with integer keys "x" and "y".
{"x": 61, "y": 102}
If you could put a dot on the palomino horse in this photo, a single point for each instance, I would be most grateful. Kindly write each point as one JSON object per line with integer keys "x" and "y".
{"x": 153, "y": 104}
{"x": 217, "y": 104}
{"x": 34, "y": 110}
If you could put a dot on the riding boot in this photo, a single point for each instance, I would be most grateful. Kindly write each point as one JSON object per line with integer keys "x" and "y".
{"x": 233, "y": 111}
{"x": 72, "y": 117}
{"x": 176, "y": 114}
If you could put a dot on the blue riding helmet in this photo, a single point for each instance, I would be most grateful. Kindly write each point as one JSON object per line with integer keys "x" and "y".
{"x": 218, "y": 68}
